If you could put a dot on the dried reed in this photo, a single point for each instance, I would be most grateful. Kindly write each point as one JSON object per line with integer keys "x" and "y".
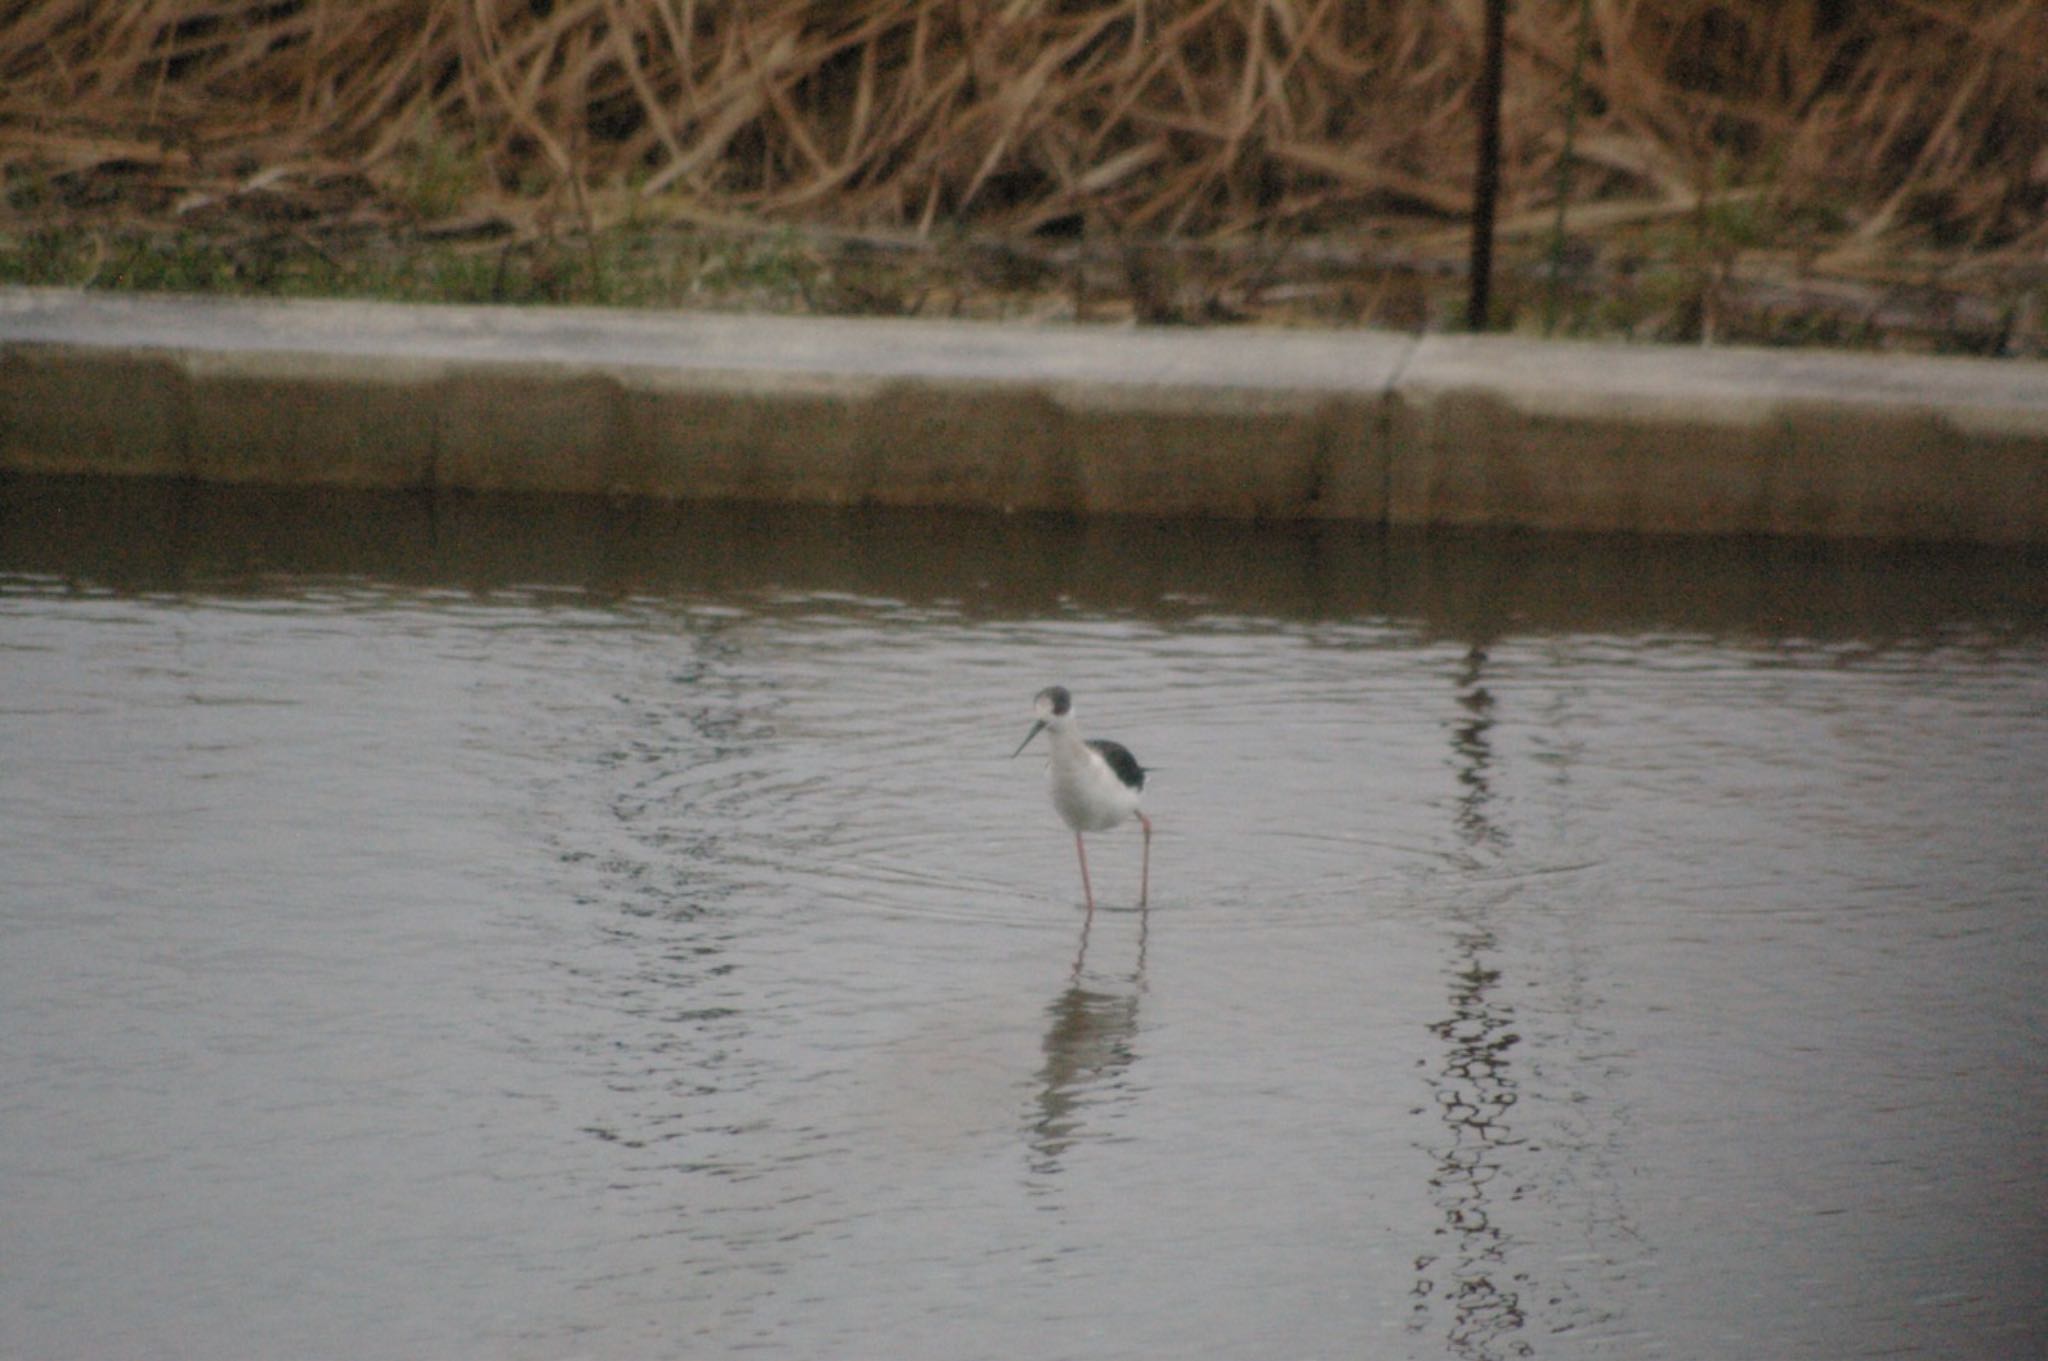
{"x": 1154, "y": 117}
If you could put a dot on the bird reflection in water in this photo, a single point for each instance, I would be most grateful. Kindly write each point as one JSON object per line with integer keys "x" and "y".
{"x": 1089, "y": 1044}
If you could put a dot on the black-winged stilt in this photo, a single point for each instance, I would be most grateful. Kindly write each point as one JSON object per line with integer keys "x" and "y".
{"x": 1095, "y": 784}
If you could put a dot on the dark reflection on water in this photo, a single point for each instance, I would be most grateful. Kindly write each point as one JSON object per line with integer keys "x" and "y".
{"x": 155, "y": 537}
{"x": 1479, "y": 1274}
{"x": 1469, "y": 745}
{"x": 502, "y": 927}
{"x": 1473, "y": 1183}
{"x": 1089, "y": 1047}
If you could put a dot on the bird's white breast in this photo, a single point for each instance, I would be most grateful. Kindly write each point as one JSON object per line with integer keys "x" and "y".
{"x": 1086, "y": 792}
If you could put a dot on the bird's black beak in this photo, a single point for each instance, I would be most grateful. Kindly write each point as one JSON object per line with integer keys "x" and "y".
{"x": 1027, "y": 739}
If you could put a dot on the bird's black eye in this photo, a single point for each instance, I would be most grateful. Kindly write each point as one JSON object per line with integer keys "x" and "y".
{"x": 1058, "y": 698}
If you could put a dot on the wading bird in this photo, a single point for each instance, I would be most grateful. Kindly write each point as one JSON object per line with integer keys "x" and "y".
{"x": 1095, "y": 784}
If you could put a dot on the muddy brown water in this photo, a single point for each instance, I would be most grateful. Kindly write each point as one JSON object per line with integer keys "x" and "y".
{"x": 496, "y": 928}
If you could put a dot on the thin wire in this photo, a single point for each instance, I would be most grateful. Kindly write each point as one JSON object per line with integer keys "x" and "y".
{"x": 1564, "y": 166}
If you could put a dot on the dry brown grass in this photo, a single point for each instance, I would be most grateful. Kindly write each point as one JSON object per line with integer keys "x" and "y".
{"x": 1913, "y": 118}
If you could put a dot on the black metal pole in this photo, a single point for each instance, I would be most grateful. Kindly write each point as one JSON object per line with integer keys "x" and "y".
{"x": 1486, "y": 179}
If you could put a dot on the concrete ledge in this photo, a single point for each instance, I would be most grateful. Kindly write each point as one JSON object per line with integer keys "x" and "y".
{"x": 1500, "y": 432}
{"x": 1354, "y": 426}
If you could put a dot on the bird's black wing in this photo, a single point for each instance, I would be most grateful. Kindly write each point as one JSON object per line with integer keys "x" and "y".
{"x": 1121, "y": 761}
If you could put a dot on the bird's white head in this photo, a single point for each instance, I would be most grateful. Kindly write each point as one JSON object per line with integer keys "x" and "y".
{"x": 1053, "y": 706}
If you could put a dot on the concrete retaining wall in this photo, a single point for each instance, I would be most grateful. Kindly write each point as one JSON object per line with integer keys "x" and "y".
{"x": 1371, "y": 427}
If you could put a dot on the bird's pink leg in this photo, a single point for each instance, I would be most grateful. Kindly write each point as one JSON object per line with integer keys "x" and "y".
{"x": 1145, "y": 870}
{"x": 1086, "y": 891}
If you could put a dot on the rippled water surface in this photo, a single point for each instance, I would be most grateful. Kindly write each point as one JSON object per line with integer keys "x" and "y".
{"x": 503, "y": 929}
